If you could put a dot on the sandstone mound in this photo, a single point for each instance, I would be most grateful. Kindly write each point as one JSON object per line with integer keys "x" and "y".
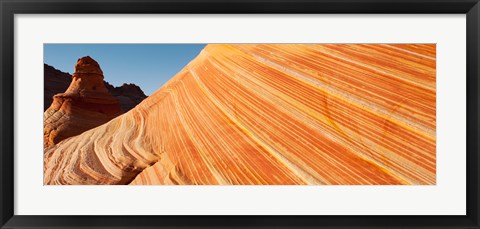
{"x": 56, "y": 81}
{"x": 85, "y": 104}
{"x": 271, "y": 114}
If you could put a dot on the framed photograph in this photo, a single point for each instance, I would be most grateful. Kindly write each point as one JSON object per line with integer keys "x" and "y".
{"x": 243, "y": 114}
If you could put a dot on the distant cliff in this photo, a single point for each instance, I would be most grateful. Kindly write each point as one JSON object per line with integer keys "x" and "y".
{"x": 129, "y": 95}
{"x": 56, "y": 81}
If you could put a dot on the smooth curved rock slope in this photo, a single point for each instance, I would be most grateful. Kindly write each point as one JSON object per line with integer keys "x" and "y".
{"x": 271, "y": 114}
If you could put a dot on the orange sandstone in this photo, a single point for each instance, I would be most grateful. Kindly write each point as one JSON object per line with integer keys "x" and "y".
{"x": 271, "y": 114}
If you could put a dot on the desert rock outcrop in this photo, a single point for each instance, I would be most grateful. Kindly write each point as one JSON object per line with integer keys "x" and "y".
{"x": 56, "y": 81}
{"x": 271, "y": 114}
{"x": 84, "y": 105}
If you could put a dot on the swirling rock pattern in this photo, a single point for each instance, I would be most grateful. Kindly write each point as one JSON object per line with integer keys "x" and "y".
{"x": 271, "y": 114}
{"x": 85, "y": 104}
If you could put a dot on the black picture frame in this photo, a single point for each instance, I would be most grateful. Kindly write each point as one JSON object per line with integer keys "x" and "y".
{"x": 9, "y": 8}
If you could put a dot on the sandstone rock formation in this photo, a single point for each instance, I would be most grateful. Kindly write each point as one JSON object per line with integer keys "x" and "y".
{"x": 56, "y": 81}
{"x": 271, "y": 114}
{"x": 85, "y": 104}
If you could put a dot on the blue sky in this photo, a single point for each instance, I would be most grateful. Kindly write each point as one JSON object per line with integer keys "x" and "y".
{"x": 146, "y": 65}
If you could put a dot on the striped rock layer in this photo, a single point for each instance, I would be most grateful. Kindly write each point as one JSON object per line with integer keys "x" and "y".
{"x": 271, "y": 114}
